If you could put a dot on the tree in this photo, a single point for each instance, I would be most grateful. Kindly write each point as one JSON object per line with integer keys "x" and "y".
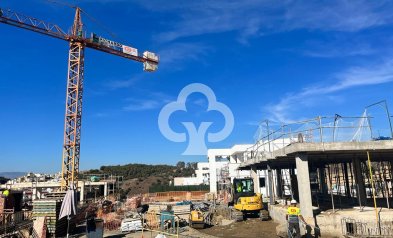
{"x": 181, "y": 165}
{"x": 194, "y": 165}
{"x": 3, "y": 180}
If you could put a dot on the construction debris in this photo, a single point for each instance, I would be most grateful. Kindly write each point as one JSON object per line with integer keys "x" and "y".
{"x": 50, "y": 209}
{"x": 131, "y": 224}
{"x": 133, "y": 202}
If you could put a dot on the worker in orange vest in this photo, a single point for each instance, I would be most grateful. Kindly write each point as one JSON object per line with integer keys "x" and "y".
{"x": 293, "y": 216}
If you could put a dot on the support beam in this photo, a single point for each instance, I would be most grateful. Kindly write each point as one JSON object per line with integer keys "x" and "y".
{"x": 322, "y": 182}
{"x": 270, "y": 177}
{"x": 255, "y": 178}
{"x": 82, "y": 191}
{"x": 34, "y": 194}
{"x": 347, "y": 187}
{"x": 361, "y": 188}
{"x": 213, "y": 174}
{"x": 105, "y": 190}
{"x": 294, "y": 187}
{"x": 279, "y": 186}
{"x": 303, "y": 180}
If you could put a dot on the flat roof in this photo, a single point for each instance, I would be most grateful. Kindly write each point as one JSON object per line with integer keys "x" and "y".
{"x": 324, "y": 152}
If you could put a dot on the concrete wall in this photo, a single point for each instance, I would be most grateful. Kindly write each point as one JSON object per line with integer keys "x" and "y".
{"x": 329, "y": 223}
{"x": 184, "y": 181}
{"x": 203, "y": 172}
{"x": 234, "y": 156}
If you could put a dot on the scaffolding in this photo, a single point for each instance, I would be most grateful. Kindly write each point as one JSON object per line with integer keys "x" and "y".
{"x": 224, "y": 184}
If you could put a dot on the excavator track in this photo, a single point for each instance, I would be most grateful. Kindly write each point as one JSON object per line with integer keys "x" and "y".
{"x": 237, "y": 215}
{"x": 197, "y": 225}
{"x": 264, "y": 215}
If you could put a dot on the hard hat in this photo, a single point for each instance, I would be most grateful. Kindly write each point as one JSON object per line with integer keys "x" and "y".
{"x": 293, "y": 201}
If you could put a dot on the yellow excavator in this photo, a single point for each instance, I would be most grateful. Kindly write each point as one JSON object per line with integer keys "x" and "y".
{"x": 197, "y": 219}
{"x": 246, "y": 201}
{"x": 200, "y": 215}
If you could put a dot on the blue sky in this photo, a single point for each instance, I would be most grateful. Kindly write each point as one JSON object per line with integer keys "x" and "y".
{"x": 281, "y": 60}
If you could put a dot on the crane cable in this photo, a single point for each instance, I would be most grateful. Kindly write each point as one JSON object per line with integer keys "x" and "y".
{"x": 95, "y": 21}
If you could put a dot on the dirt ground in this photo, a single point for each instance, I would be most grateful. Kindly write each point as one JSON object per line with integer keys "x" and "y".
{"x": 252, "y": 227}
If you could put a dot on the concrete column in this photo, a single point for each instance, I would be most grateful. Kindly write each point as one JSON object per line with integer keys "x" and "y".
{"x": 303, "y": 180}
{"x": 361, "y": 189}
{"x": 279, "y": 183}
{"x": 105, "y": 189}
{"x": 255, "y": 178}
{"x": 270, "y": 181}
{"x": 82, "y": 191}
{"x": 322, "y": 182}
{"x": 34, "y": 194}
{"x": 213, "y": 174}
{"x": 347, "y": 188}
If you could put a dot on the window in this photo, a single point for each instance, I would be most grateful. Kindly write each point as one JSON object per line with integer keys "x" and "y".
{"x": 244, "y": 186}
{"x": 262, "y": 182}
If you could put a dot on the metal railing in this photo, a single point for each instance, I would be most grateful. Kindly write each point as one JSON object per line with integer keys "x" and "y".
{"x": 8, "y": 216}
{"x": 354, "y": 228}
{"x": 11, "y": 221}
{"x": 271, "y": 137}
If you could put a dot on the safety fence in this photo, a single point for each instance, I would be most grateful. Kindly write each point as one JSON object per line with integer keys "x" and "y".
{"x": 157, "y": 188}
{"x": 272, "y": 136}
{"x": 11, "y": 222}
{"x": 160, "y": 224}
{"x": 355, "y": 228}
{"x": 8, "y": 216}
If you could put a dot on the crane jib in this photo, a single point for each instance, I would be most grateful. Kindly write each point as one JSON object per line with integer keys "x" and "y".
{"x": 75, "y": 79}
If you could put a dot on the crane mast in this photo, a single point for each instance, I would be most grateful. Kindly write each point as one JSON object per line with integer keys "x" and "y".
{"x": 73, "y": 110}
{"x": 74, "y": 94}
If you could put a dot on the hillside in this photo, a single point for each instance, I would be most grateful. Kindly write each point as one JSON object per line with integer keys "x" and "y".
{"x": 3, "y": 180}
{"x": 139, "y": 177}
{"x": 11, "y": 175}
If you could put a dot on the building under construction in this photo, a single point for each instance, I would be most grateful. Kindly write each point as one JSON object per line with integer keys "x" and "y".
{"x": 335, "y": 168}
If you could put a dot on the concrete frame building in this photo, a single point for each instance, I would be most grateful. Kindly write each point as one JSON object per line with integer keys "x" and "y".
{"x": 340, "y": 170}
{"x": 230, "y": 160}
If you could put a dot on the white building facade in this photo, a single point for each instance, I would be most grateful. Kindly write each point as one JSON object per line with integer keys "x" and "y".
{"x": 229, "y": 160}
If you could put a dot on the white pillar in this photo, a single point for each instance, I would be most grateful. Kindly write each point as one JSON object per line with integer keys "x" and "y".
{"x": 82, "y": 191}
{"x": 303, "y": 181}
{"x": 105, "y": 189}
{"x": 213, "y": 174}
{"x": 34, "y": 194}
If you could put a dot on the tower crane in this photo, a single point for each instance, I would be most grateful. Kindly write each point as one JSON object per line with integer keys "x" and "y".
{"x": 74, "y": 97}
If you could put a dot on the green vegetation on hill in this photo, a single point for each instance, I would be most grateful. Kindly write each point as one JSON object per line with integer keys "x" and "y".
{"x": 131, "y": 171}
{"x": 3, "y": 180}
{"x": 140, "y": 178}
